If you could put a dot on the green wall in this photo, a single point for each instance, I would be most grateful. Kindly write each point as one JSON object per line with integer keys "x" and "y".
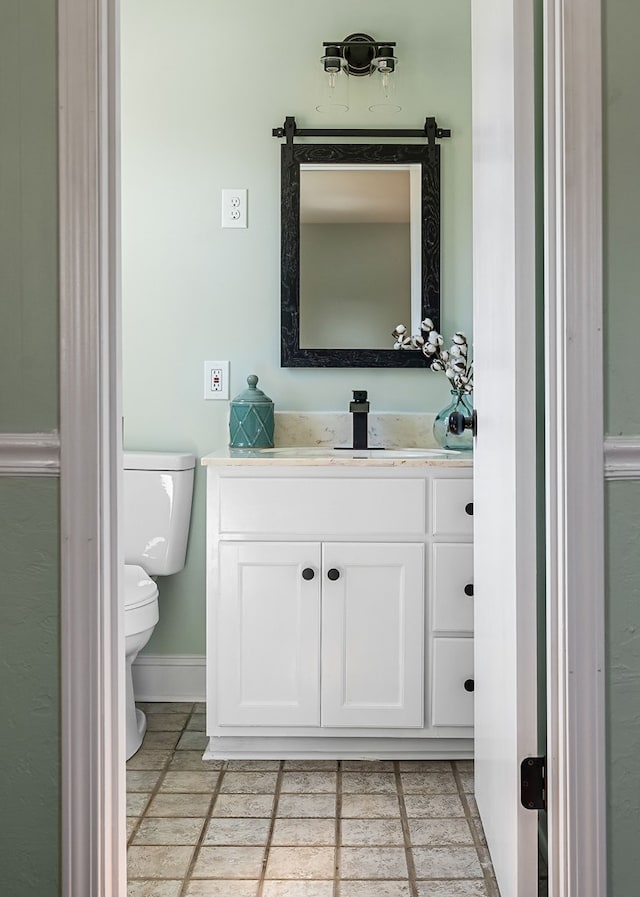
{"x": 29, "y": 529}
{"x": 198, "y": 108}
{"x": 623, "y": 686}
{"x": 622, "y": 325}
{"x": 28, "y": 215}
{"x": 29, "y": 697}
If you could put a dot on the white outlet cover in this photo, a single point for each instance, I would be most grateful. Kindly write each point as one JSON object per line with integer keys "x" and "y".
{"x": 234, "y": 207}
{"x": 216, "y": 380}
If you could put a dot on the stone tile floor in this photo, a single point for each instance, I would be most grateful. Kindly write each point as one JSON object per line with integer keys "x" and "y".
{"x": 296, "y": 828}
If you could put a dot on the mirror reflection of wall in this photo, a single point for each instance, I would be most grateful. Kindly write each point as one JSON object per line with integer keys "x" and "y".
{"x": 355, "y": 255}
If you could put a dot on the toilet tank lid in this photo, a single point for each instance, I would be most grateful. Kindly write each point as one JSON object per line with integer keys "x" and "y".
{"x": 158, "y": 461}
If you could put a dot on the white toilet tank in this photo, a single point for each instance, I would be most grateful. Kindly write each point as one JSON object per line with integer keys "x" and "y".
{"x": 158, "y": 487}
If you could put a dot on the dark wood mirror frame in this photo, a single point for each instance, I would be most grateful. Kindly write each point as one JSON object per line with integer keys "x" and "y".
{"x": 292, "y": 157}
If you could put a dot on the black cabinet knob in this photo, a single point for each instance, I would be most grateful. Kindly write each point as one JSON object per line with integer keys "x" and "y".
{"x": 469, "y": 684}
{"x": 468, "y": 509}
{"x": 468, "y": 589}
{"x": 308, "y": 573}
{"x": 333, "y": 574}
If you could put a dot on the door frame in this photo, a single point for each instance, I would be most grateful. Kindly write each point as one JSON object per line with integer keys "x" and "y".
{"x": 574, "y": 421}
{"x": 93, "y": 828}
{"x": 93, "y": 782}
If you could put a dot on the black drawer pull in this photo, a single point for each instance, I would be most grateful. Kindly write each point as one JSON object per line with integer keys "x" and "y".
{"x": 469, "y": 684}
{"x": 333, "y": 574}
{"x": 468, "y": 589}
{"x": 468, "y": 509}
{"x": 308, "y": 573}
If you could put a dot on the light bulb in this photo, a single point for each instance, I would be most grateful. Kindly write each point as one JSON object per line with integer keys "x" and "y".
{"x": 386, "y": 84}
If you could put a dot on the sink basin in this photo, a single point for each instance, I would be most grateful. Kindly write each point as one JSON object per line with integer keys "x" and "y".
{"x": 318, "y": 451}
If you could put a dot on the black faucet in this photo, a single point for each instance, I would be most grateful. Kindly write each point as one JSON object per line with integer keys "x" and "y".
{"x": 359, "y": 408}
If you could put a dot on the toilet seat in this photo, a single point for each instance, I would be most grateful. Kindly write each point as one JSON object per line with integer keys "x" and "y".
{"x": 140, "y": 600}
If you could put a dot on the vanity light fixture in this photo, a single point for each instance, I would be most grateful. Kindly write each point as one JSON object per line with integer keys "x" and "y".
{"x": 358, "y": 55}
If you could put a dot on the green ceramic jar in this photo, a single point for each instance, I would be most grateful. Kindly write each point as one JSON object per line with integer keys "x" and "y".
{"x": 251, "y": 421}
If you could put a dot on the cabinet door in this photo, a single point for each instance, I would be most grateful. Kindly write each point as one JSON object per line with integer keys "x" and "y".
{"x": 268, "y": 634}
{"x": 373, "y": 635}
{"x": 452, "y": 587}
{"x": 452, "y": 506}
{"x": 453, "y": 685}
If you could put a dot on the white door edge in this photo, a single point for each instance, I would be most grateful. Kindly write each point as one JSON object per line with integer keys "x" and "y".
{"x": 505, "y": 463}
{"x": 93, "y": 855}
{"x": 574, "y": 448}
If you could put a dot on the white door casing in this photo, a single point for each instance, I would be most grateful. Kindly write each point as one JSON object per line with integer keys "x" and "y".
{"x": 573, "y": 138}
{"x": 504, "y": 450}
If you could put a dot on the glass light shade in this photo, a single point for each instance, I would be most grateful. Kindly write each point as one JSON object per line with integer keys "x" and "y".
{"x": 384, "y": 79}
{"x": 333, "y": 90}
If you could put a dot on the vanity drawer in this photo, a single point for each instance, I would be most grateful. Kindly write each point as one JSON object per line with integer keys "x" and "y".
{"x": 452, "y": 703}
{"x": 452, "y": 507}
{"x": 452, "y": 584}
{"x": 319, "y": 505}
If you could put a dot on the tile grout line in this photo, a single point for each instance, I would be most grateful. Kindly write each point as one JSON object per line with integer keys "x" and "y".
{"x": 492, "y": 888}
{"x": 404, "y": 822}
{"x": 186, "y": 881}
{"x": 272, "y": 824}
{"x": 338, "y": 831}
{"x": 161, "y": 777}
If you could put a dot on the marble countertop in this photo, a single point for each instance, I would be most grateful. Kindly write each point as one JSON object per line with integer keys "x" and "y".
{"x": 327, "y": 456}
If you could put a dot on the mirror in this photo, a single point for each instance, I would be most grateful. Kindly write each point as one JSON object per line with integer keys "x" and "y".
{"x": 360, "y": 252}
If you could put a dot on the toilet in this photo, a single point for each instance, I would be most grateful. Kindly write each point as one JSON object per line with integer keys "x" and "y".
{"x": 157, "y": 493}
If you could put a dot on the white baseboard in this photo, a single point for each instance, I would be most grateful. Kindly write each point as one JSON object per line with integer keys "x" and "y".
{"x": 169, "y": 677}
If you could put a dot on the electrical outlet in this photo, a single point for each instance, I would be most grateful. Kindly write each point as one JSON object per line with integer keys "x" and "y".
{"x": 234, "y": 208}
{"x": 216, "y": 379}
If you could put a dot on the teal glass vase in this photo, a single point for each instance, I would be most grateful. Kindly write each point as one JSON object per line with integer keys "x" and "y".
{"x": 251, "y": 418}
{"x": 461, "y": 402}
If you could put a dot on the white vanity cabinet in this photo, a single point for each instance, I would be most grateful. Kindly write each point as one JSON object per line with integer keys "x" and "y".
{"x": 320, "y": 634}
{"x": 337, "y": 618}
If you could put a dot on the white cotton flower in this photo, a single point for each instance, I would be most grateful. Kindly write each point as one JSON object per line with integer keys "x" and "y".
{"x": 459, "y": 365}
{"x": 406, "y": 342}
{"x": 427, "y": 324}
{"x": 460, "y": 338}
{"x": 437, "y": 366}
{"x": 429, "y": 349}
{"x": 435, "y": 338}
{"x": 450, "y": 373}
{"x": 464, "y": 380}
{"x": 418, "y": 342}
{"x": 400, "y": 329}
{"x": 444, "y": 355}
{"x": 397, "y": 345}
{"x": 455, "y": 350}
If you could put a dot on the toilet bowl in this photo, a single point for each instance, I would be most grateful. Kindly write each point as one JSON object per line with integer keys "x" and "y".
{"x": 158, "y": 488}
{"x": 140, "y": 617}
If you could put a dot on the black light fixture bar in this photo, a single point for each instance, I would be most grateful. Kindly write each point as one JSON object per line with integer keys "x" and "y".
{"x": 362, "y": 43}
{"x": 430, "y": 130}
